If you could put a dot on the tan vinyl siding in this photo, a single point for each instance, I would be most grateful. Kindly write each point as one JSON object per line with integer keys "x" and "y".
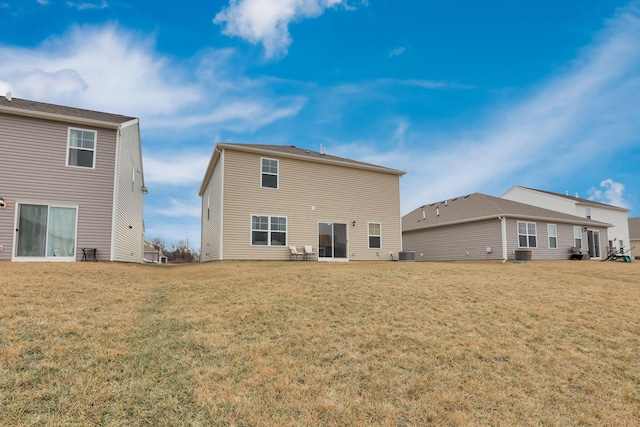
{"x": 452, "y": 243}
{"x": 338, "y": 194}
{"x": 211, "y": 224}
{"x": 129, "y": 198}
{"x": 33, "y": 153}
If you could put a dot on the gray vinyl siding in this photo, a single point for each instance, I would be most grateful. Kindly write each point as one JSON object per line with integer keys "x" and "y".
{"x": 212, "y": 223}
{"x": 33, "y": 153}
{"x": 129, "y": 232}
{"x": 452, "y": 243}
{"x": 542, "y": 251}
{"x": 309, "y": 193}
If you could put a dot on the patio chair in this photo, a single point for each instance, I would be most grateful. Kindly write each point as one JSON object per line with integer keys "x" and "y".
{"x": 309, "y": 254}
{"x": 294, "y": 254}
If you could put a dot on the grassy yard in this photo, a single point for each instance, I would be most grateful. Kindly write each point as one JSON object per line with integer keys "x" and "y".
{"x": 317, "y": 344}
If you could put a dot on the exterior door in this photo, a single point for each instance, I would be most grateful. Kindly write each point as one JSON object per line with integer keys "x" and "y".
{"x": 45, "y": 232}
{"x": 593, "y": 240}
{"x": 332, "y": 241}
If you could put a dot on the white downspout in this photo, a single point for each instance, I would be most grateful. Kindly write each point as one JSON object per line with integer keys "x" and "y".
{"x": 503, "y": 224}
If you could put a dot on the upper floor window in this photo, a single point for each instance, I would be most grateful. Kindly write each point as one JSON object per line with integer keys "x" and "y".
{"x": 527, "y": 237}
{"x": 553, "y": 236}
{"x": 82, "y": 148}
{"x": 374, "y": 235}
{"x": 269, "y": 173}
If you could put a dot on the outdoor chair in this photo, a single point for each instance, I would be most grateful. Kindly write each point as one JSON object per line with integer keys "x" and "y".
{"x": 294, "y": 254}
{"x": 309, "y": 254}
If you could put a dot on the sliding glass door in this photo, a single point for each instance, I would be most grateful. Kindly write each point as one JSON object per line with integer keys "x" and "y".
{"x": 46, "y": 232}
{"x": 332, "y": 241}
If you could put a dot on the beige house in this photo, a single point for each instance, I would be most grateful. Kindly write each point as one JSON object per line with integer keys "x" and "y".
{"x": 634, "y": 235}
{"x": 71, "y": 184}
{"x": 482, "y": 227}
{"x": 257, "y": 200}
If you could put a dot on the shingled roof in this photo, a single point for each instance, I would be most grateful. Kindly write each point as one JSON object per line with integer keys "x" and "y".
{"x": 309, "y": 154}
{"x": 478, "y": 206}
{"x": 58, "y": 112}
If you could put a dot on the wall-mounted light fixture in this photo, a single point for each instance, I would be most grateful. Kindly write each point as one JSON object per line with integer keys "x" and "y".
{"x": 3, "y": 204}
{"x": 145, "y": 190}
{"x": 585, "y": 228}
{"x": 353, "y": 224}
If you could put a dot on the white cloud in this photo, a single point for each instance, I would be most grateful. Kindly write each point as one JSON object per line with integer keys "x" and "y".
{"x": 267, "y": 21}
{"x": 179, "y": 208}
{"x": 85, "y": 6}
{"x": 175, "y": 168}
{"x": 586, "y": 113}
{"x": 111, "y": 69}
{"x": 397, "y": 51}
{"x": 43, "y": 2}
{"x": 610, "y": 192}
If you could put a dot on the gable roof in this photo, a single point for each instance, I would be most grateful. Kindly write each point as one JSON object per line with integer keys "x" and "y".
{"x": 573, "y": 199}
{"x": 293, "y": 152}
{"x": 24, "y": 107}
{"x": 634, "y": 228}
{"x": 478, "y": 207}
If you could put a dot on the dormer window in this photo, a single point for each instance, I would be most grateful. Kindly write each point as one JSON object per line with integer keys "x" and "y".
{"x": 81, "y": 148}
{"x": 269, "y": 173}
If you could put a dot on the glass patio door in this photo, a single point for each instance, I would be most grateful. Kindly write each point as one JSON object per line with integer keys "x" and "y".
{"x": 332, "y": 241}
{"x": 593, "y": 239}
{"x": 45, "y": 232}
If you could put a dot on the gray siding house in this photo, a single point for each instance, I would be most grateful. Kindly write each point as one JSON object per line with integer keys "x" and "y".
{"x": 482, "y": 227}
{"x": 257, "y": 200}
{"x": 618, "y": 234}
{"x": 634, "y": 236}
{"x": 70, "y": 179}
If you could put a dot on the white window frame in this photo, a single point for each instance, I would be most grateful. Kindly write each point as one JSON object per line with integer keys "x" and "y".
{"x": 553, "y": 235}
{"x": 263, "y": 173}
{"x": 577, "y": 236}
{"x": 92, "y": 150}
{"x": 527, "y": 234}
{"x": 269, "y": 230}
{"x": 46, "y": 257}
{"x": 379, "y": 235}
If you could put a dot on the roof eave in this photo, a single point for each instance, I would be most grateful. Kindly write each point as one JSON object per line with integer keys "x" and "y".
{"x": 577, "y": 221}
{"x": 62, "y": 117}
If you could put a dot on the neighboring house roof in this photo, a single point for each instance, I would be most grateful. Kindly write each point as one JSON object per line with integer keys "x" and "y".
{"x": 477, "y": 207}
{"x": 25, "y": 107}
{"x": 575, "y": 199}
{"x": 293, "y": 152}
{"x": 634, "y": 228}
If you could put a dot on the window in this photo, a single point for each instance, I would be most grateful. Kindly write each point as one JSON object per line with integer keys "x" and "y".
{"x": 268, "y": 230}
{"x": 527, "y": 235}
{"x": 374, "y": 235}
{"x": 269, "y": 173}
{"x": 588, "y": 211}
{"x": 577, "y": 237}
{"x": 46, "y": 232}
{"x": 553, "y": 236}
{"x": 82, "y": 148}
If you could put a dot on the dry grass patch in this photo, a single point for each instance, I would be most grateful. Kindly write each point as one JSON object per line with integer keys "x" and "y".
{"x": 543, "y": 343}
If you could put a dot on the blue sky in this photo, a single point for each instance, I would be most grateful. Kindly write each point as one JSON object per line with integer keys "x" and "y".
{"x": 465, "y": 96}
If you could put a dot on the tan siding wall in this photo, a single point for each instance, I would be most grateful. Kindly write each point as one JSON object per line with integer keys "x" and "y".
{"x": 33, "y": 157}
{"x": 211, "y": 224}
{"x": 129, "y": 198}
{"x": 339, "y": 194}
{"x": 451, "y": 243}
